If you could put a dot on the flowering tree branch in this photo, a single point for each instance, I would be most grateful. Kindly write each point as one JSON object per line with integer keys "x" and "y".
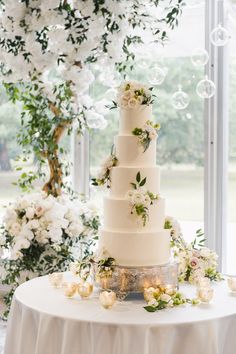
{"x": 47, "y": 51}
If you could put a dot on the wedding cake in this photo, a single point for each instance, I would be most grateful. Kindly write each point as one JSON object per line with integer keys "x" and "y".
{"x": 134, "y": 211}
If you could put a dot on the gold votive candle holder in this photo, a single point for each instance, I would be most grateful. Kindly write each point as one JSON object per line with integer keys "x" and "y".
{"x": 70, "y": 289}
{"x": 85, "y": 289}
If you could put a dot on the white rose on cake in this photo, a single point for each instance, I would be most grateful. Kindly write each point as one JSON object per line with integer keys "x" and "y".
{"x": 133, "y": 103}
{"x": 138, "y": 198}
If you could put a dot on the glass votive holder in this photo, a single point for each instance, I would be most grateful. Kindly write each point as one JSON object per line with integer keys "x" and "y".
{"x": 85, "y": 289}
{"x": 107, "y": 299}
{"x": 205, "y": 294}
{"x": 56, "y": 279}
{"x": 70, "y": 289}
{"x": 232, "y": 283}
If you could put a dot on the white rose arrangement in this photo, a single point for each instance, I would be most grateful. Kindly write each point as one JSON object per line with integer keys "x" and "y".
{"x": 41, "y": 234}
{"x": 195, "y": 260}
{"x": 132, "y": 94}
{"x": 104, "y": 176}
{"x": 140, "y": 198}
{"x": 162, "y": 297}
{"x": 146, "y": 134}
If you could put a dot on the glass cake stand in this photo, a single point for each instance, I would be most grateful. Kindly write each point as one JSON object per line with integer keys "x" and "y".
{"x": 133, "y": 280}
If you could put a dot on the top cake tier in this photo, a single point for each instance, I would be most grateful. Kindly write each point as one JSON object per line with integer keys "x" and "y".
{"x": 134, "y": 118}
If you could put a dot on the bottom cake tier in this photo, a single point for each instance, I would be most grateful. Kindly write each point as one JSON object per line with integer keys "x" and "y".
{"x": 137, "y": 249}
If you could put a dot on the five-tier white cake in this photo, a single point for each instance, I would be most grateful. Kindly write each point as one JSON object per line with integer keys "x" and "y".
{"x": 134, "y": 212}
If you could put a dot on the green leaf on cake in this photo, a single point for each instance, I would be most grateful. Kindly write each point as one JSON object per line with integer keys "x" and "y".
{"x": 142, "y": 183}
{"x": 138, "y": 177}
{"x": 133, "y": 185}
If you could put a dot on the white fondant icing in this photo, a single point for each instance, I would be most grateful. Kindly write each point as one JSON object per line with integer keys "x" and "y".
{"x": 124, "y": 236}
{"x": 137, "y": 248}
{"x": 133, "y": 118}
{"x": 130, "y": 152}
{"x": 121, "y": 177}
{"x": 117, "y": 216}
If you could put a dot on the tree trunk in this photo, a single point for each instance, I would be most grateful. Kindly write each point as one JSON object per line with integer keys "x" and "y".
{"x": 55, "y": 183}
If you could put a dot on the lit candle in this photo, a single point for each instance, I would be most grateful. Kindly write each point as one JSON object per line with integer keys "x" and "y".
{"x": 70, "y": 289}
{"x": 107, "y": 299}
{"x": 232, "y": 283}
{"x": 205, "y": 294}
{"x": 85, "y": 289}
{"x": 56, "y": 279}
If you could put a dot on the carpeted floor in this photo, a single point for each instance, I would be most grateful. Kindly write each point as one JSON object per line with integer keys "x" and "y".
{"x": 3, "y": 326}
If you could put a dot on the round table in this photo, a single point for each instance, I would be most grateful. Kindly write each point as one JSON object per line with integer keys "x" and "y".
{"x": 43, "y": 321}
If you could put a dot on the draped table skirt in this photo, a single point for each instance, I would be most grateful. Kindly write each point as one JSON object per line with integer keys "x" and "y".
{"x": 43, "y": 321}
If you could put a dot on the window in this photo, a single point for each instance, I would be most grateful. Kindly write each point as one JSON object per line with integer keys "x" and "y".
{"x": 231, "y": 241}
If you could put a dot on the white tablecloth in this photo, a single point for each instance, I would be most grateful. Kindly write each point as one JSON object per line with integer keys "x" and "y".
{"x": 43, "y": 321}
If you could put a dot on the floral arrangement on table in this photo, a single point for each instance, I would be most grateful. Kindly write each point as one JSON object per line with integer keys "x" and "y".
{"x": 195, "y": 260}
{"x": 147, "y": 133}
{"x": 140, "y": 198}
{"x": 132, "y": 94}
{"x": 104, "y": 176}
{"x": 161, "y": 297}
{"x": 42, "y": 234}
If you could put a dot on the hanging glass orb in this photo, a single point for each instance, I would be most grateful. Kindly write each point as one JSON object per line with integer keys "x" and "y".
{"x": 143, "y": 64}
{"x": 94, "y": 120}
{"x": 180, "y": 99}
{"x": 157, "y": 76}
{"x": 199, "y": 57}
{"x": 206, "y": 88}
{"x": 219, "y": 36}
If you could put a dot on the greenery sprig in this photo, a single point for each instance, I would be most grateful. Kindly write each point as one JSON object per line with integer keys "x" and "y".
{"x": 140, "y": 198}
{"x": 147, "y": 133}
